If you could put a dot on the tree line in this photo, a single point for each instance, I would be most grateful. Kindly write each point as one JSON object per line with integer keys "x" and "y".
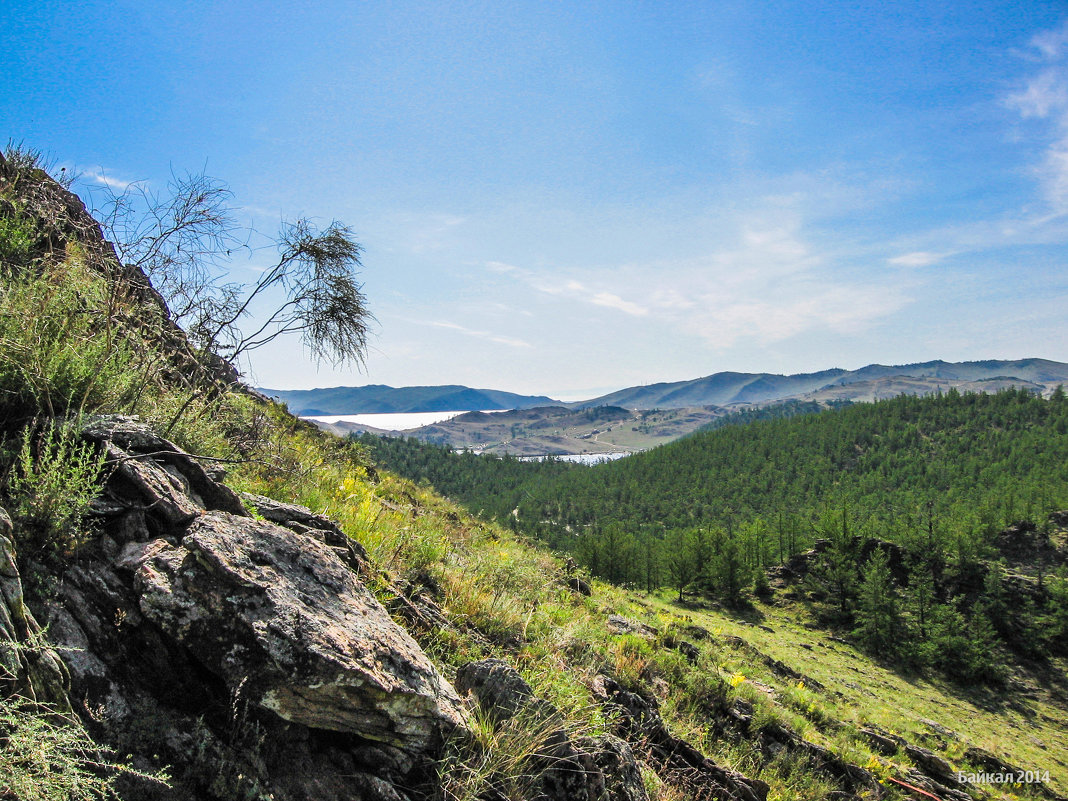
{"x": 938, "y": 477}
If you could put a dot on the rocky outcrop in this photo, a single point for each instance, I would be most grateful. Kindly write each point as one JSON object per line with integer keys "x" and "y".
{"x": 33, "y": 670}
{"x": 279, "y": 611}
{"x": 567, "y": 769}
{"x": 244, "y": 652}
{"x": 639, "y": 721}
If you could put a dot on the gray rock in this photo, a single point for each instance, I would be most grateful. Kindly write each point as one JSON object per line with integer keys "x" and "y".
{"x": 883, "y": 742}
{"x": 499, "y": 690}
{"x": 304, "y": 521}
{"x": 279, "y": 612}
{"x": 617, "y": 624}
{"x": 930, "y": 763}
{"x": 613, "y": 759}
{"x": 155, "y": 475}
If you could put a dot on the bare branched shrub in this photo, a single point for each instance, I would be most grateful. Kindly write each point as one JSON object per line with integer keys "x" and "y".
{"x": 184, "y": 242}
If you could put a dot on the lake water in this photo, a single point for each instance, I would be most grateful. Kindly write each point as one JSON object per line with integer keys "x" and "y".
{"x": 405, "y": 421}
{"x": 402, "y": 421}
{"x": 581, "y": 458}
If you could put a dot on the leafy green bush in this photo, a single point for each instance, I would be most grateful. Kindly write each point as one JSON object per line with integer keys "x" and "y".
{"x": 59, "y": 350}
{"x": 49, "y": 756}
{"x": 55, "y": 477}
{"x": 18, "y": 235}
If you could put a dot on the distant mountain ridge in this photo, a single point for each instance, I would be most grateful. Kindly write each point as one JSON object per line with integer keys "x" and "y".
{"x": 724, "y": 389}
{"x": 382, "y": 399}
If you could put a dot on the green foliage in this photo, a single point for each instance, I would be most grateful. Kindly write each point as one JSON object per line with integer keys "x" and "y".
{"x": 18, "y": 236}
{"x": 49, "y": 756}
{"x": 502, "y": 758}
{"x": 977, "y": 461}
{"x": 58, "y": 351}
{"x": 54, "y": 478}
{"x": 878, "y": 614}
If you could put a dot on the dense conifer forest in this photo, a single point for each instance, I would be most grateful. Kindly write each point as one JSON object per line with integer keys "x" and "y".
{"x": 906, "y": 501}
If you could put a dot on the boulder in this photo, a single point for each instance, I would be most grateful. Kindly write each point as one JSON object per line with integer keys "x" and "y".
{"x": 280, "y": 612}
{"x": 304, "y": 521}
{"x": 583, "y": 769}
{"x": 153, "y": 475}
{"x": 498, "y": 689}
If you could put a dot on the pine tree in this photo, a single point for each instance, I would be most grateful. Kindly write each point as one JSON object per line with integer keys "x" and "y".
{"x": 878, "y": 612}
{"x": 681, "y": 559}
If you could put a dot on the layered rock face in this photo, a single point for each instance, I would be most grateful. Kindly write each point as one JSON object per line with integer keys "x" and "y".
{"x": 246, "y": 653}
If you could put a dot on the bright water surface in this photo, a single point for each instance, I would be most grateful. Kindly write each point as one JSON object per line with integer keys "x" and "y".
{"x": 405, "y": 421}
{"x": 401, "y": 421}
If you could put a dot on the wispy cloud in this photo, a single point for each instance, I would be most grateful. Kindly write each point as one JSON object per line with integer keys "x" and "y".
{"x": 768, "y": 285}
{"x": 1052, "y": 44}
{"x": 500, "y": 340}
{"x": 613, "y": 301}
{"x": 118, "y": 185}
{"x": 919, "y": 258}
{"x": 571, "y": 288}
{"x": 1044, "y": 97}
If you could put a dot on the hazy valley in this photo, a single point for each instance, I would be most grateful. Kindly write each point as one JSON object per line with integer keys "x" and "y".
{"x": 639, "y": 418}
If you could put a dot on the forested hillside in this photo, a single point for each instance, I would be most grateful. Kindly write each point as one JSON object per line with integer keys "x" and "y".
{"x": 991, "y": 458}
{"x": 984, "y": 459}
{"x": 905, "y": 500}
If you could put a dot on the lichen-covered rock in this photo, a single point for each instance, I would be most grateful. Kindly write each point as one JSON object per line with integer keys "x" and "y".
{"x": 245, "y": 656}
{"x": 155, "y": 475}
{"x": 34, "y": 669}
{"x": 282, "y": 613}
{"x": 304, "y": 521}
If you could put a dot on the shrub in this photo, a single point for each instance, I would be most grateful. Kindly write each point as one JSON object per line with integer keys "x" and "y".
{"x": 48, "y": 756}
{"x": 54, "y": 478}
{"x": 18, "y": 235}
{"x": 57, "y": 353}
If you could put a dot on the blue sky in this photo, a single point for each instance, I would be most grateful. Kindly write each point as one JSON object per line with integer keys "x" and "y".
{"x": 569, "y": 198}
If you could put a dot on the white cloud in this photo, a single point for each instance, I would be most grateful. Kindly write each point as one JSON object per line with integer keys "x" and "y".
{"x": 499, "y": 339}
{"x": 1052, "y": 44}
{"x": 1044, "y": 94}
{"x": 920, "y": 258}
{"x": 112, "y": 183}
{"x": 1045, "y": 97}
{"x": 614, "y": 301}
{"x": 766, "y": 284}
